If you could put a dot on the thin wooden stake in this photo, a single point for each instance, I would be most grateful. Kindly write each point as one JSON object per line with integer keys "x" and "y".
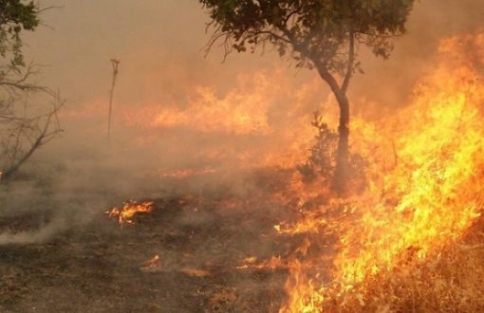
{"x": 115, "y": 64}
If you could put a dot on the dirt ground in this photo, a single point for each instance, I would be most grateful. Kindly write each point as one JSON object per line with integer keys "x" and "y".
{"x": 184, "y": 256}
{"x": 195, "y": 244}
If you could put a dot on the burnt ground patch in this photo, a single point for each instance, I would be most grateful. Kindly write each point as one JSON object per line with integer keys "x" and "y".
{"x": 196, "y": 246}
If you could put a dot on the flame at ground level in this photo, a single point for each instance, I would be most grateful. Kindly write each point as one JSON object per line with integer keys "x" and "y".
{"x": 425, "y": 172}
{"x": 130, "y": 209}
{"x": 426, "y": 189}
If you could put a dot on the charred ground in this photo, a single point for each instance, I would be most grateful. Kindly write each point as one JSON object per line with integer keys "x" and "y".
{"x": 102, "y": 266}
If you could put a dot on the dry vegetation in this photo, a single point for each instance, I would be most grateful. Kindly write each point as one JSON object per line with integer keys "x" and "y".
{"x": 184, "y": 257}
{"x": 409, "y": 239}
{"x": 450, "y": 281}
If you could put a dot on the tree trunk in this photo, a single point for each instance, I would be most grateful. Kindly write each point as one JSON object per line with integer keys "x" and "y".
{"x": 342, "y": 170}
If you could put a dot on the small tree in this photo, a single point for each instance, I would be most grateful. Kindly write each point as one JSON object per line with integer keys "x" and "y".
{"x": 25, "y": 125}
{"x": 318, "y": 34}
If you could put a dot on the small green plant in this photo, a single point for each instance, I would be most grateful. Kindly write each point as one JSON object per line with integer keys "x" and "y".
{"x": 321, "y": 163}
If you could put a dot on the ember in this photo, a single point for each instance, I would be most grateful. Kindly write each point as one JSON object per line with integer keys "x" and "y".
{"x": 153, "y": 261}
{"x": 152, "y": 265}
{"x": 129, "y": 209}
{"x": 271, "y": 264}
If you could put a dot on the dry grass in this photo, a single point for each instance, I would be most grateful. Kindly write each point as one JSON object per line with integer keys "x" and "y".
{"x": 450, "y": 281}
{"x": 100, "y": 267}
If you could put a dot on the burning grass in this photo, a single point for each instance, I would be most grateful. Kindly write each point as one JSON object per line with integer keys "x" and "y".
{"x": 410, "y": 241}
{"x": 129, "y": 210}
{"x": 399, "y": 245}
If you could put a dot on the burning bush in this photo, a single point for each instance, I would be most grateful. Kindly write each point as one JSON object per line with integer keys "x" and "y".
{"x": 399, "y": 245}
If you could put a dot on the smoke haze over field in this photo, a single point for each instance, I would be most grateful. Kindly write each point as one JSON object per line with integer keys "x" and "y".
{"x": 160, "y": 45}
{"x": 163, "y": 69}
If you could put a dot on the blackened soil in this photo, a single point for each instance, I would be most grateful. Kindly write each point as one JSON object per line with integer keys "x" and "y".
{"x": 196, "y": 245}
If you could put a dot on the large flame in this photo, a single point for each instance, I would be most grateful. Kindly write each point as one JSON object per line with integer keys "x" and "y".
{"x": 425, "y": 171}
{"x": 426, "y": 188}
{"x": 261, "y": 121}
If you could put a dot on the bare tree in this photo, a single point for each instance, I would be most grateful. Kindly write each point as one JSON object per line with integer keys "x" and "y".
{"x": 28, "y": 118}
{"x": 28, "y": 111}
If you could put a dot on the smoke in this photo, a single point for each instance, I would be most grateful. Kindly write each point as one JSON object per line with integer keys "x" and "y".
{"x": 43, "y": 234}
{"x": 164, "y": 76}
{"x": 389, "y": 83}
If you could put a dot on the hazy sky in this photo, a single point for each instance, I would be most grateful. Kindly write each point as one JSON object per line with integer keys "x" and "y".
{"x": 150, "y": 37}
{"x": 160, "y": 45}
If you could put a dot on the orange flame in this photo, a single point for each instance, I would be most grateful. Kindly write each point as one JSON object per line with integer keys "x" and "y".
{"x": 271, "y": 264}
{"x": 129, "y": 209}
{"x": 153, "y": 264}
{"x": 426, "y": 187}
{"x": 253, "y": 120}
{"x": 424, "y": 175}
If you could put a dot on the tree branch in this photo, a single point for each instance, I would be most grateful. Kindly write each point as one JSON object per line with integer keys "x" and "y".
{"x": 351, "y": 60}
{"x": 36, "y": 135}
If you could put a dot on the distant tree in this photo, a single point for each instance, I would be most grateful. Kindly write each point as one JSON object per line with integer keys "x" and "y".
{"x": 318, "y": 34}
{"x": 24, "y": 126}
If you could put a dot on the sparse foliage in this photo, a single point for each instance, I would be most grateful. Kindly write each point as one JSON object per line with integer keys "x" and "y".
{"x": 28, "y": 111}
{"x": 322, "y": 158}
{"x": 15, "y": 16}
{"x": 319, "y": 34}
{"x": 321, "y": 161}
{"x": 28, "y": 120}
